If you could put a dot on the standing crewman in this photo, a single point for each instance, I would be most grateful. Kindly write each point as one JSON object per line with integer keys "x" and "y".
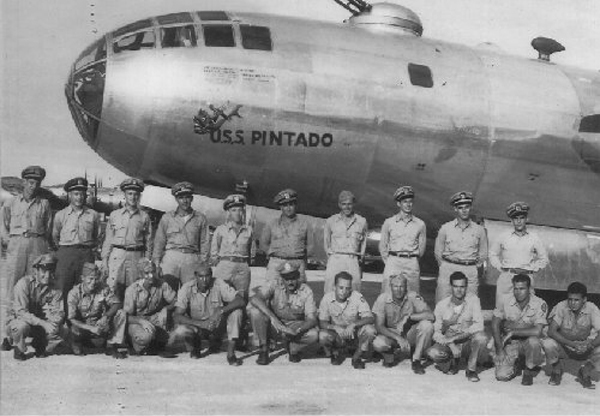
{"x": 25, "y": 226}
{"x": 461, "y": 246}
{"x": 128, "y": 239}
{"x": 182, "y": 239}
{"x": 345, "y": 237}
{"x": 517, "y": 251}
{"x": 231, "y": 247}
{"x": 287, "y": 237}
{"x": 76, "y": 232}
{"x": 403, "y": 239}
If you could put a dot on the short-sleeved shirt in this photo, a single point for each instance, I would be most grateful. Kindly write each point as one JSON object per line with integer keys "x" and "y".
{"x": 466, "y": 244}
{"x": 227, "y": 241}
{"x": 347, "y": 236}
{"x": 176, "y": 232}
{"x": 289, "y": 306}
{"x": 346, "y": 313}
{"x": 534, "y": 313}
{"x": 201, "y": 306}
{"x": 396, "y": 313}
{"x": 128, "y": 229}
{"x": 33, "y": 302}
{"x": 140, "y": 301}
{"x": 73, "y": 227}
{"x": 515, "y": 250}
{"x": 285, "y": 237}
{"x": 20, "y": 216}
{"x": 402, "y": 233}
{"x": 90, "y": 307}
{"x": 469, "y": 318}
{"x": 584, "y": 325}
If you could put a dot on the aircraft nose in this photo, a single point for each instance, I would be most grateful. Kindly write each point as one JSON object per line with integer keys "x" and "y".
{"x": 85, "y": 90}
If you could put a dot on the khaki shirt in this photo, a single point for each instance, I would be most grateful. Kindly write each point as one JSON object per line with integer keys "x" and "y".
{"x": 175, "y": 233}
{"x": 466, "y": 244}
{"x": 72, "y": 227}
{"x": 20, "y": 217}
{"x": 290, "y": 306}
{"x": 396, "y": 314}
{"x": 129, "y": 229}
{"x": 584, "y": 325}
{"x": 141, "y": 302}
{"x": 229, "y": 242}
{"x": 90, "y": 307}
{"x": 406, "y": 234}
{"x": 346, "y": 313}
{"x": 284, "y": 237}
{"x": 345, "y": 237}
{"x": 534, "y": 313}
{"x": 200, "y": 305}
{"x": 512, "y": 250}
{"x": 34, "y": 303}
{"x": 468, "y": 316}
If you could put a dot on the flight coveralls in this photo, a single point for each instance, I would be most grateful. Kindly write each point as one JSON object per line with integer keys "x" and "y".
{"x": 292, "y": 309}
{"x": 128, "y": 239}
{"x": 396, "y": 315}
{"x": 516, "y": 250}
{"x": 403, "y": 239}
{"x": 459, "y": 249}
{"x": 180, "y": 244}
{"x": 345, "y": 244}
{"x": 451, "y": 320}
{"x": 151, "y": 305}
{"x": 344, "y": 314}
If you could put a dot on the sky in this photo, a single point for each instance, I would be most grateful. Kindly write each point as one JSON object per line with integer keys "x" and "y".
{"x": 41, "y": 39}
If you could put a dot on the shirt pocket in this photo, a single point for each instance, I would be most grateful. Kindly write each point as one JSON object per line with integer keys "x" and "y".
{"x": 173, "y": 229}
{"x": 87, "y": 225}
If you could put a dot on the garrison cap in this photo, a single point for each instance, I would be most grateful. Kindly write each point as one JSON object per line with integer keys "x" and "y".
{"x": 345, "y": 196}
{"x": 462, "y": 197}
{"x": 182, "y": 188}
{"x": 44, "y": 260}
{"x": 404, "y": 192}
{"x": 145, "y": 265}
{"x": 234, "y": 200}
{"x": 289, "y": 270}
{"x": 285, "y": 196}
{"x": 132, "y": 183}
{"x": 517, "y": 208}
{"x": 34, "y": 172}
{"x": 76, "y": 184}
{"x": 89, "y": 269}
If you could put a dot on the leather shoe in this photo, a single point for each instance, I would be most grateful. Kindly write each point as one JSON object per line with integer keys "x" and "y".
{"x": 41, "y": 353}
{"x": 337, "y": 358}
{"x": 388, "y": 360}
{"x": 263, "y": 358}
{"x": 358, "y": 364}
{"x": 196, "y": 353}
{"x": 472, "y": 376}
{"x": 585, "y": 379}
{"x": 6, "y": 345}
{"x": 417, "y": 367}
{"x": 527, "y": 379}
{"x": 453, "y": 370}
{"x": 234, "y": 361}
{"x": 555, "y": 379}
{"x": 295, "y": 358}
{"x": 19, "y": 355}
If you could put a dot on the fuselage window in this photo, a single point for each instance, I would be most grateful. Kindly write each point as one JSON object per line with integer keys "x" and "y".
{"x": 135, "y": 42}
{"x": 420, "y": 75}
{"x": 590, "y": 124}
{"x": 256, "y": 37}
{"x": 178, "y": 37}
{"x": 218, "y": 35}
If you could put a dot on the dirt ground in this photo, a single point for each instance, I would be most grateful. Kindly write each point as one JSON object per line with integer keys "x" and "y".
{"x": 96, "y": 384}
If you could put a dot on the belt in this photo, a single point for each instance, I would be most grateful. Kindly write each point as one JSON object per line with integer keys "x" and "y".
{"x": 402, "y": 254}
{"x": 347, "y": 254}
{"x": 185, "y": 250}
{"x": 235, "y": 259}
{"x": 516, "y": 271}
{"x": 27, "y": 234}
{"x": 461, "y": 262}
{"x": 78, "y": 246}
{"x": 288, "y": 258}
{"x": 130, "y": 248}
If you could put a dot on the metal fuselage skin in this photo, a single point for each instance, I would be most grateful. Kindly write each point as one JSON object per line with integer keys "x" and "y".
{"x": 332, "y": 107}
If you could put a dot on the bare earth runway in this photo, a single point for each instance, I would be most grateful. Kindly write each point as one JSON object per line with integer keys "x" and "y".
{"x": 97, "y": 384}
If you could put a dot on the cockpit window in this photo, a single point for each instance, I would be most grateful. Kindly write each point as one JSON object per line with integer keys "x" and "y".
{"x": 135, "y": 42}
{"x": 179, "y": 36}
{"x": 420, "y": 75}
{"x": 218, "y": 35}
{"x": 96, "y": 52}
{"x": 212, "y": 16}
{"x": 169, "y": 19}
{"x": 590, "y": 124}
{"x": 133, "y": 27}
{"x": 256, "y": 37}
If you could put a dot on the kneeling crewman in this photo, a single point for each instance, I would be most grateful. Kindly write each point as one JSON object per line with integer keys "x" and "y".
{"x": 289, "y": 306}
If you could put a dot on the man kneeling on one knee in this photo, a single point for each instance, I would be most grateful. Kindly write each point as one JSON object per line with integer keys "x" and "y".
{"x": 202, "y": 304}
{"x": 403, "y": 320}
{"x": 458, "y": 329}
{"x": 288, "y": 304}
